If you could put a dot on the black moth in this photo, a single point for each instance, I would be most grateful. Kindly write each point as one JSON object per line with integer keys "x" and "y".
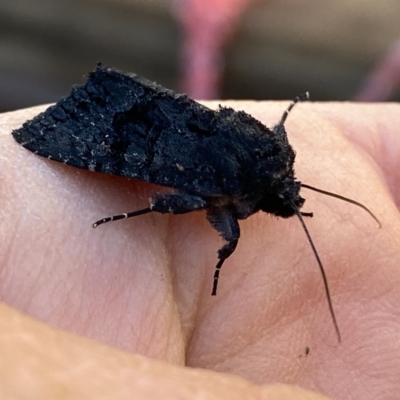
{"x": 225, "y": 162}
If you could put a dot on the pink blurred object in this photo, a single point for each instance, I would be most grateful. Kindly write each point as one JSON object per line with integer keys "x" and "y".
{"x": 384, "y": 80}
{"x": 207, "y": 27}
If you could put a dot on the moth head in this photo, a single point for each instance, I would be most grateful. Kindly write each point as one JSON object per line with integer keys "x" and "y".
{"x": 284, "y": 199}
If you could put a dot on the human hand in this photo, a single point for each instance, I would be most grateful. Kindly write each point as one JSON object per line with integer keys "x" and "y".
{"x": 144, "y": 285}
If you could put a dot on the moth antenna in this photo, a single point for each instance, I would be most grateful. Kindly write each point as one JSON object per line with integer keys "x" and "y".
{"x": 338, "y": 196}
{"x": 302, "y": 97}
{"x": 327, "y": 292}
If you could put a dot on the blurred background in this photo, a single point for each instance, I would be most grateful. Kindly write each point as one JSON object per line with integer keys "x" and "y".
{"x": 225, "y": 49}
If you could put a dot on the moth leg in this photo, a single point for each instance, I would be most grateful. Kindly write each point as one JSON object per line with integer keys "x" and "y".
{"x": 307, "y": 214}
{"x": 121, "y": 216}
{"x": 177, "y": 203}
{"x": 228, "y": 227}
{"x": 172, "y": 203}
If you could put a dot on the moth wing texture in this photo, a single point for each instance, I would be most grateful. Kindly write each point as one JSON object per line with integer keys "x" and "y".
{"x": 126, "y": 125}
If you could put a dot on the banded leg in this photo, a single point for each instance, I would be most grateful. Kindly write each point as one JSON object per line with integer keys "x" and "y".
{"x": 172, "y": 203}
{"x": 228, "y": 227}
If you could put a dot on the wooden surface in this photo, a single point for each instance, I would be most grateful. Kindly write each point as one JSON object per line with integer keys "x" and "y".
{"x": 280, "y": 49}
